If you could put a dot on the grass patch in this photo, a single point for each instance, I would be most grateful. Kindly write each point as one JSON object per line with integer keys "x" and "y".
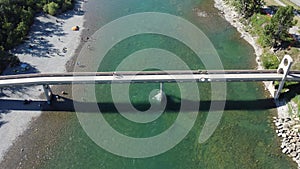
{"x": 257, "y": 22}
{"x": 270, "y": 61}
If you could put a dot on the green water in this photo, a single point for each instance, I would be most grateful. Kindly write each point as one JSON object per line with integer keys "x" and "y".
{"x": 244, "y": 137}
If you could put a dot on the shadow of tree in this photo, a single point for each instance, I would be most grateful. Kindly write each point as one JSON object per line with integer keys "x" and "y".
{"x": 1, "y": 121}
{"x": 296, "y": 43}
{"x": 37, "y": 45}
{"x": 293, "y": 90}
{"x": 19, "y": 91}
{"x": 269, "y": 10}
{"x": 22, "y": 68}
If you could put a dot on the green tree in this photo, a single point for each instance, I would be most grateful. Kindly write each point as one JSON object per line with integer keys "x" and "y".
{"x": 45, "y": 8}
{"x": 68, "y": 4}
{"x": 22, "y": 29}
{"x": 248, "y": 7}
{"x": 277, "y": 30}
{"x": 51, "y": 8}
{"x": 16, "y": 17}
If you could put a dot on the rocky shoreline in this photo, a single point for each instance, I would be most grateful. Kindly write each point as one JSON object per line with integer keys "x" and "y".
{"x": 288, "y": 130}
{"x": 287, "y": 123}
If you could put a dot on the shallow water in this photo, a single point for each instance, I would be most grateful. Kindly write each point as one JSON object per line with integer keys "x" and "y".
{"x": 243, "y": 139}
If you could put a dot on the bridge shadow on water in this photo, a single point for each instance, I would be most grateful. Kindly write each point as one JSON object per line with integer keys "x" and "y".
{"x": 67, "y": 105}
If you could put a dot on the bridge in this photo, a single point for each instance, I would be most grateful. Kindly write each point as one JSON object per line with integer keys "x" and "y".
{"x": 282, "y": 74}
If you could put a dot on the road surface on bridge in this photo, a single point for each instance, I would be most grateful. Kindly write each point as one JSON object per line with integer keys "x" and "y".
{"x": 145, "y": 77}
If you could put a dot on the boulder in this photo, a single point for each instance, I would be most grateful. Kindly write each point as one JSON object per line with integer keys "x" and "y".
{"x": 285, "y": 150}
{"x": 294, "y": 154}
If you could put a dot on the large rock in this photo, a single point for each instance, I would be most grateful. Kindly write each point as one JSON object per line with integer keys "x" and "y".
{"x": 294, "y": 154}
{"x": 278, "y": 124}
{"x": 293, "y": 140}
{"x": 293, "y": 146}
{"x": 285, "y": 150}
{"x": 286, "y": 125}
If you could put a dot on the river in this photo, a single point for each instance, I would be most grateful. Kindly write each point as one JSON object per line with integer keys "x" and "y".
{"x": 244, "y": 138}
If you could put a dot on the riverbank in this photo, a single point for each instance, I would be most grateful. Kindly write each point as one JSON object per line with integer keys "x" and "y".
{"x": 50, "y": 45}
{"x": 285, "y": 117}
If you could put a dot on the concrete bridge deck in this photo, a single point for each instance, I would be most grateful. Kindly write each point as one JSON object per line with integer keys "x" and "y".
{"x": 146, "y": 77}
{"x": 282, "y": 74}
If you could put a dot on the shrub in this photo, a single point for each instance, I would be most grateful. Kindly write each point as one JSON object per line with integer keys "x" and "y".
{"x": 270, "y": 61}
{"x": 51, "y": 8}
{"x": 45, "y": 8}
{"x": 16, "y": 17}
{"x": 67, "y": 5}
{"x": 7, "y": 59}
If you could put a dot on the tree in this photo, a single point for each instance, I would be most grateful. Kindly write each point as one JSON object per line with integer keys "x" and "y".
{"x": 16, "y": 17}
{"x": 248, "y": 7}
{"x": 278, "y": 29}
{"x": 51, "y": 8}
{"x": 68, "y": 4}
{"x": 22, "y": 29}
{"x": 45, "y": 8}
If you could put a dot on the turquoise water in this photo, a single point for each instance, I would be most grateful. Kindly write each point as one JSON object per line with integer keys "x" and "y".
{"x": 244, "y": 138}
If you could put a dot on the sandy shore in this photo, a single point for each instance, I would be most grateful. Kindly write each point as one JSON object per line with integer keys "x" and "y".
{"x": 282, "y": 107}
{"x": 51, "y": 44}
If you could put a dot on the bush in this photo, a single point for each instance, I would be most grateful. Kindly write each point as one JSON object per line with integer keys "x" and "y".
{"x": 270, "y": 61}
{"x": 45, "y": 8}
{"x": 16, "y": 17}
{"x": 51, "y": 8}
{"x": 67, "y": 5}
{"x": 6, "y": 60}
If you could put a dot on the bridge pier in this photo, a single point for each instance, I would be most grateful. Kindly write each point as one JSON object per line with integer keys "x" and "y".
{"x": 159, "y": 96}
{"x": 48, "y": 93}
{"x": 161, "y": 89}
{"x": 284, "y": 68}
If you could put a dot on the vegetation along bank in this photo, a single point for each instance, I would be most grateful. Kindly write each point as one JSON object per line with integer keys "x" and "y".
{"x": 16, "y": 18}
